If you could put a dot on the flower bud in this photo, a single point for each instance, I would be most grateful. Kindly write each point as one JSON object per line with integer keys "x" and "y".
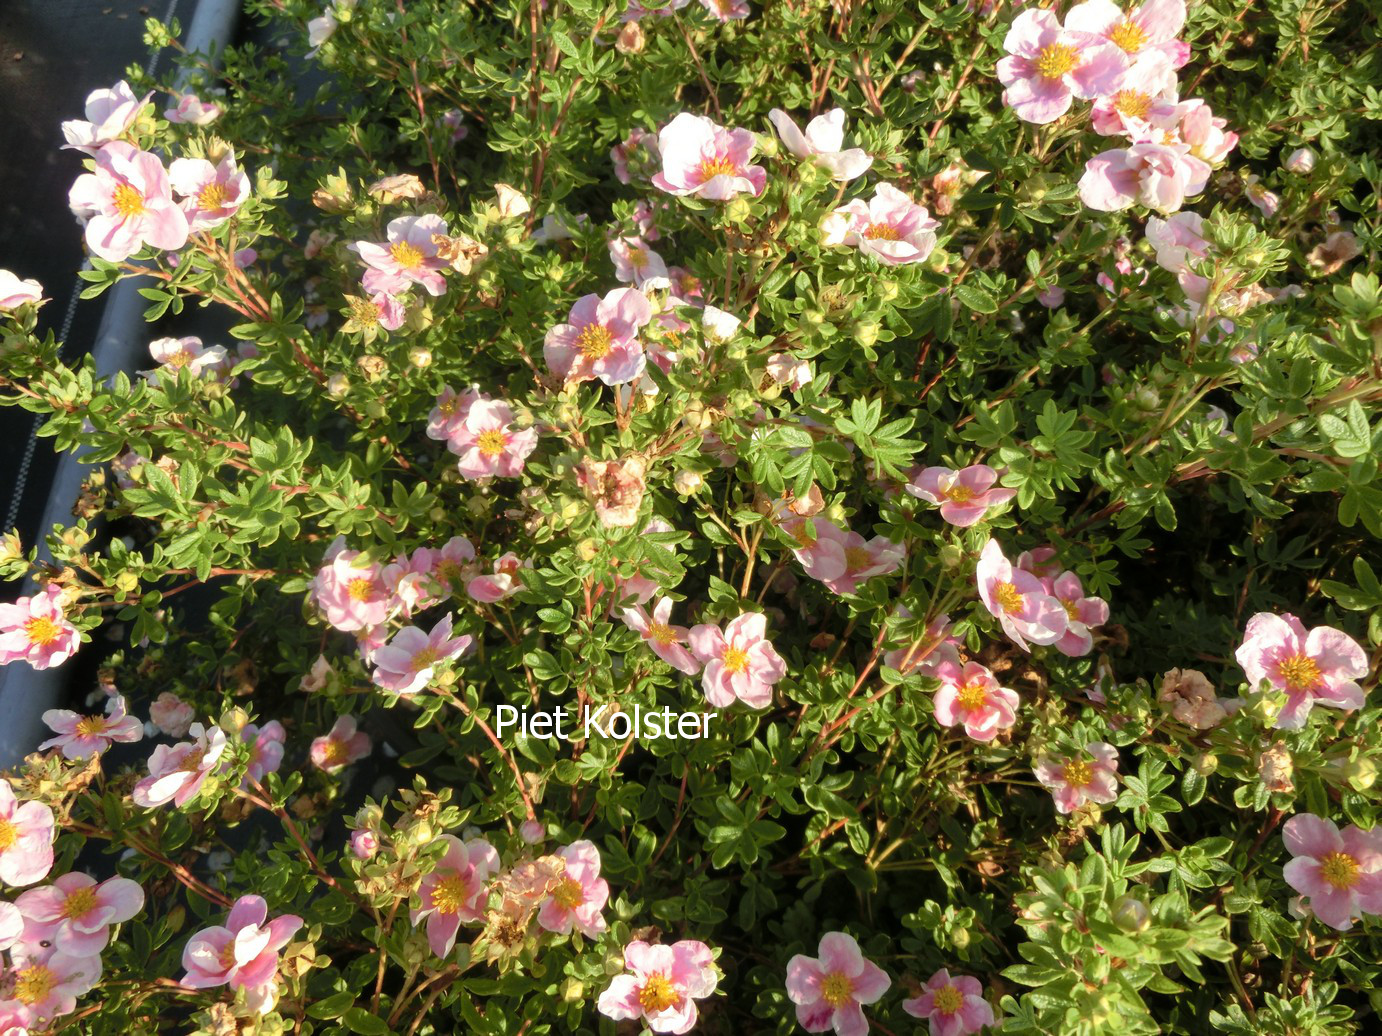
{"x": 737, "y": 211}
{"x": 960, "y": 938}
{"x": 127, "y": 582}
{"x": 866, "y": 332}
{"x": 687, "y": 482}
{"x": 337, "y": 386}
{"x": 588, "y": 549}
{"x": 951, "y": 556}
{"x": 1301, "y": 161}
{"x": 1131, "y": 914}
{"x": 510, "y": 201}
{"x": 374, "y": 366}
{"x": 1205, "y": 763}
{"x": 888, "y": 289}
{"x": 630, "y": 39}
{"x": 531, "y": 831}
{"x": 420, "y": 357}
{"x": 233, "y": 720}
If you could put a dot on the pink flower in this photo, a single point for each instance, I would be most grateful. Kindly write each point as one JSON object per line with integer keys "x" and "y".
{"x": 242, "y": 954}
{"x": 452, "y": 565}
{"x": 350, "y": 590}
{"x": 15, "y": 292}
{"x": 81, "y": 737}
{"x": 175, "y": 354}
{"x": 636, "y": 153}
{"x": 109, "y": 113}
{"x": 75, "y": 914}
{"x": 831, "y": 989}
{"x": 637, "y": 264}
{"x": 786, "y": 369}
{"x": 857, "y": 559}
{"x": 1178, "y": 240}
{"x": 35, "y": 630}
{"x": 266, "y": 749}
{"x": 1301, "y": 161}
{"x": 128, "y": 204}
{"x": 487, "y": 442}
{"x": 193, "y": 111}
{"x": 43, "y": 985}
{"x": 455, "y": 891}
{"x": 364, "y": 843}
{"x": 665, "y": 640}
{"x": 1082, "y": 613}
{"x": 1159, "y": 176}
{"x": 890, "y": 227}
{"x": 615, "y": 487}
{"x": 665, "y": 983}
{"x": 964, "y": 496}
{"x": 407, "y": 663}
{"x": 740, "y": 661}
{"x": 177, "y": 772}
{"x": 727, "y": 10}
{"x": 409, "y": 256}
{"x": 973, "y": 697}
{"x": 601, "y": 338}
{"x": 1145, "y": 99}
{"x": 1266, "y": 201}
{"x": 1052, "y": 297}
{"x": 1322, "y": 665}
{"x": 1339, "y": 871}
{"x": 1091, "y": 776}
{"x": 448, "y": 416}
{"x": 953, "y": 1006}
{"x": 505, "y": 582}
{"x": 822, "y": 142}
{"x": 211, "y": 193}
{"x": 1149, "y": 28}
{"x": 1205, "y": 134}
{"x": 1047, "y": 66}
{"x": 26, "y": 839}
{"x": 171, "y": 715}
{"x": 579, "y": 897}
{"x": 340, "y": 746}
{"x": 937, "y": 646}
{"x": 709, "y": 161}
{"x": 1018, "y": 600}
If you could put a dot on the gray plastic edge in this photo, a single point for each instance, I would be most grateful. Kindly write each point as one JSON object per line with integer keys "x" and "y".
{"x": 25, "y": 692}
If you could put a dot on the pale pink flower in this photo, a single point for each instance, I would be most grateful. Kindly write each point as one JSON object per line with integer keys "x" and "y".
{"x": 11, "y": 930}
{"x": 1152, "y": 27}
{"x": 242, "y": 954}
{"x": 74, "y": 913}
{"x": 972, "y": 696}
{"x": 727, "y": 10}
{"x": 81, "y": 737}
{"x": 1266, "y": 201}
{"x": 686, "y": 287}
{"x": 1301, "y": 161}
{"x": 177, "y": 772}
{"x": 740, "y": 662}
{"x": 408, "y": 662}
{"x": 1330, "y": 255}
{"x": 455, "y": 891}
{"x": 487, "y": 443}
{"x": 342, "y": 745}
{"x": 266, "y": 749}
{"x": 175, "y": 354}
{"x": 637, "y": 264}
{"x": 44, "y": 984}
{"x": 1089, "y": 776}
{"x": 822, "y": 143}
{"x": 452, "y": 565}
{"x": 845, "y": 551}
{"x": 666, "y": 640}
{"x": 171, "y": 715}
{"x": 938, "y": 646}
{"x": 786, "y": 369}
{"x": 645, "y": 219}
{"x": 350, "y": 590}
{"x": 1340, "y": 872}
{"x": 36, "y": 630}
{"x": 1159, "y": 176}
{"x": 364, "y": 844}
{"x": 953, "y": 1006}
{"x": 128, "y": 204}
{"x": 409, "y": 256}
{"x": 210, "y": 194}
{"x": 1052, "y": 297}
{"x": 1192, "y": 699}
{"x": 665, "y": 983}
{"x": 15, "y": 292}
{"x": 454, "y": 120}
{"x": 889, "y": 227}
{"x": 601, "y": 338}
{"x": 1144, "y": 101}
{"x": 964, "y": 495}
{"x": 1017, "y": 598}
{"x": 615, "y": 487}
{"x": 636, "y": 155}
{"x": 580, "y": 896}
{"x": 193, "y": 111}
{"x": 1205, "y": 134}
{"x": 1178, "y": 240}
{"x": 109, "y": 114}
{"x": 26, "y": 839}
{"x": 1047, "y": 66}
{"x": 505, "y": 582}
{"x": 1082, "y": 613}
{"x": 830, "y": 990}
{"x": 1321, "y": 665}
{"x": 448, "y": 416}
{"x": 709, "y": 161}
{"x": 410, "y": 580}
{"x": 321, "y": 29}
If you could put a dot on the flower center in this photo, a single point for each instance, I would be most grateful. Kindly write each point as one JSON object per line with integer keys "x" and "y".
{"x": 424, "y": 659}
{"x": 660, "y": 633}
{"x": 1056, "y": 59}
{"x": 1132, "y": 102}
{"x": 1077, "y": 773}
{"x": 406, "y": 255}
{"x": 720, "y": 165}
{"x": 1300, "y": 672}
{"x": 360, "y": 589}
{"x": 595, "y": 342}
{"x": 1339, "y": 869}
{"x": 192, "y": 762}
{"x": 972, "y": 696}
{"x": 658, "y": 994}
{"x": 881, "y": 232}
{"x": 178, "y": 360}
{"x": 837, "y": 989}
{"x": 1009, "y": 598}
{"x": 79, "y": 903}
{"x": 450, "y": 894}
{"x": 366, "y": 313}
{"x": 1128, "y": 35}
{"x": 42, "y": 631}
{"x": 958, "y": 494}
{"x": 491, "y": 443}
{"x": 948, "y": 1000}
{"x": 451, "y": 573}
{"x": 91, "y": 726}
{"x": 212, "y": 196}
{"x": 9, "y": 834}
{"x": 569, "y": 893}
{"x": 736, "y": 659}
{"x": 1072, "y": 608}
{"x": 34, "y": 983}
{"x": 128, "y": 201}
{"x": 638, "y": 258}
{"x": 227, "y": 958}
{"x": 857, "y": 558}
{"x": 336, "y": 753}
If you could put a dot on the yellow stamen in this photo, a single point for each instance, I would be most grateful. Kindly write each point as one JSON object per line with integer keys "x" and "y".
{"x": 192, "y": 762}
{"x": 1056, "y": 59}
{"x": 406, "y": 255}
{"x": 1339, "y": 869}
{"x": 958, "y": 494}
{"x": 1128, "y": 36}
{"x": 360, "y": 590}
{"x": 658, "y": 994}
{"x": 857, "y": 558}
{"x": 212, "y": 196}
{"x": 128, "y": 201}
{"x": 491, "y": 443}
{"x": 90, "y": 726}
{"x": 425, "y": 658}
{"x": 948, "y": 1000}
{"x": 1133, "y": 103}
{"x": 595, "y": 342}
{"x": 736, "y": 660}
{"x": 972, "y": 696}
{"x": 661, "y": 634}
{"x": 1078, "y": 773}
{"x": 881, "y": 232}
{"x": 1009, "y": 598}
{"x": 78, "y": 903}
{"x": 837, "y": 989}
{"x": 569, "y": 893}
{"x": 42, "y": 631}
{"x": 335, "y": 752}
{"x": 1072, "y": 609}
{"x": 450, "y": 894}
{"x": 33, "y": 984}
{"x": 9, "y": 834}
{"x": 717, "y": 166}
{"x": 1301, "y": 672}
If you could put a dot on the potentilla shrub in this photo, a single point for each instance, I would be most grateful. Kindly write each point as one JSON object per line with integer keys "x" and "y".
{"x": 718, "y": 516}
